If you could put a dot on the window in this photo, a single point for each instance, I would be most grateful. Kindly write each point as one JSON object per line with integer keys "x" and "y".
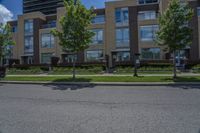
{"x": 147, "y": 15}
{"x": 14, "y": 29}
{"x": 69, "y": 58}
{"x": 147, "y": 1}
{"x": 46, "y": 58}
{"x": 150, "y": 53}
{"x": 98, "y": 19}
{"x": 47, "y": 40}
{"x": 123, "y": 56}
{"x": 98, "y": 37}
{"x": 28, "y": 26}
{"x": 147, "y": 33}
{"x": 28, "y": 44}
{"x": 122, "y": 36}
{"x": 95, "y": 55}
{"x": 198, "y": 11}
{"x": 121, "y": 16}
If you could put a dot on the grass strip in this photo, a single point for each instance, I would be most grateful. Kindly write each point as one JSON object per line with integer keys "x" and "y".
{"x": 103, "y": 79}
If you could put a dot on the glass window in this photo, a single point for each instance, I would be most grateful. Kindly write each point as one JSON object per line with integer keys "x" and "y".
{"x": 98, "y": 19}
{"x": 123, "y": 56}
{"x": 95, "y": 55}
{"x": 14, "y": 29}
{"x": 28, "y": 44}
{"x": 147, "y": 33}
{"x": 150, "y": 53}
{"x": 98, "y": 37}
{"x": 46, "y": 58}
{"x": 28, "y": 26}
{"x": 47, "y": 40}
{"x": 121, "y": 15}
{"x": 198, "y": 11}
{"x": 69, "y": 58}
{"x": 122, "y": 36}
{"x": 147, "y": 15}
{"x": 147, "y": 1}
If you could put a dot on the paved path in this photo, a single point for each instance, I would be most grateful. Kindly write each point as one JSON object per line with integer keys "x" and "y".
{"x": 99, "y": 109}
{"x": 149, "y": 75}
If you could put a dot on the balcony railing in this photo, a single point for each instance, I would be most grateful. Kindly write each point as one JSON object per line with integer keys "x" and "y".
{"x": 51, "y": 25}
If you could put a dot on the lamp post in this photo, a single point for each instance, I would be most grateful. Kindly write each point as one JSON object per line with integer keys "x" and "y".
{"x": 136, "y": 64}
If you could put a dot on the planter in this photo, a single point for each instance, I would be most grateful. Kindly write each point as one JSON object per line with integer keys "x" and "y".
{"x": 2, "y": 72}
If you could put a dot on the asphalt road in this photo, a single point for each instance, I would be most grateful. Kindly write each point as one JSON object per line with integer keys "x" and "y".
{"x": 99, "y": 109}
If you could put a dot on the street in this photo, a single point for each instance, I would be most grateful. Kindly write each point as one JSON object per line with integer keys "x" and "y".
{"x": 99, "y": 109}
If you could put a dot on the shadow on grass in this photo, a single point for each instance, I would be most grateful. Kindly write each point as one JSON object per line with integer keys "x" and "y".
{"x": 85, "y": 83}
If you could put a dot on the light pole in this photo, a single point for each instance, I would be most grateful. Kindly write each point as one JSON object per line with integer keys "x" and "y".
{"x": 136, "y": 64}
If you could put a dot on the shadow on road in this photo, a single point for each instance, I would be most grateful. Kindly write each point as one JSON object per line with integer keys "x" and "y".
{"x": 64, "y": 87}
{"x": 69, "y": 87}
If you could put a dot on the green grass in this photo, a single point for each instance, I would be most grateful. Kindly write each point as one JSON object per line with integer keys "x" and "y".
{"x": 101, "y": 79}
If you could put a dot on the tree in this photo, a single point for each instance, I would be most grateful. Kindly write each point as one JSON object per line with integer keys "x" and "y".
{"x": 5, "y": 41}
{"x": 174, "y": 32}
{"x": 75, "y": 35}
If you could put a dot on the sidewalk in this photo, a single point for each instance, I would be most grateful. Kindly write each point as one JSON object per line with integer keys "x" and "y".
{"x": 117, "y": 75}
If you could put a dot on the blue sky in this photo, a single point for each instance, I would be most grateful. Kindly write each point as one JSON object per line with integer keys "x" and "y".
{"x": 15, "y": 6}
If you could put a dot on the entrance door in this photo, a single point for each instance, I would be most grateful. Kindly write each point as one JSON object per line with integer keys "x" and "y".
{"x": 27, "y": 59}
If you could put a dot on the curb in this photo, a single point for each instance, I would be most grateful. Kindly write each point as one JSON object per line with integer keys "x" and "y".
{"x": 104, "y": 83}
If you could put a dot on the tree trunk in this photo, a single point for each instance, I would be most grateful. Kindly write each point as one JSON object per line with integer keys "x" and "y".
{"x": 174, "y": 63}
{"x": 74, "y": 65}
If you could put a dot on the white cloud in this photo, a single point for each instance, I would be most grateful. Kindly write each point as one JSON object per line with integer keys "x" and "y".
{"x": 5, "y": 14}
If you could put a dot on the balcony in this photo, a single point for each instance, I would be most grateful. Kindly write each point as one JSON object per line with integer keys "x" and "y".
{"x": 49, "y": 25}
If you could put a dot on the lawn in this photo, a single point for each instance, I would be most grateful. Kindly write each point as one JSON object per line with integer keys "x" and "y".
{"x": 101, "y": 79}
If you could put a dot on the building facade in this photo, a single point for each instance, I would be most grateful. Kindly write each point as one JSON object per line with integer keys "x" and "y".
{"x": 122, "y": 29}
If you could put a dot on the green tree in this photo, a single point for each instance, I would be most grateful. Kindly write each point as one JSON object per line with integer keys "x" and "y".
{"x": 174, "y": 31}
{"x": 5, "y": 41}
{"x": 75, "y": 35}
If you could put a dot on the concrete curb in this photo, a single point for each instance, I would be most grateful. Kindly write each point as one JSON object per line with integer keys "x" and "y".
{"x": 103, "y": 83}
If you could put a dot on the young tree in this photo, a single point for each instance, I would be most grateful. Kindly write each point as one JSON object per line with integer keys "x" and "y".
{"x": 75, "y": 35}
{"x": 174, "y": 32}
{"x": 5, "y": 41}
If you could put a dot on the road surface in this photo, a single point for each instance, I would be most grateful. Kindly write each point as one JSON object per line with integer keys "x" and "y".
{"x": 99, "y": 109}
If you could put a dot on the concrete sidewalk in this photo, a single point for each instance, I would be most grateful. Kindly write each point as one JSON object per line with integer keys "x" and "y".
{"x": 145, "y": 75}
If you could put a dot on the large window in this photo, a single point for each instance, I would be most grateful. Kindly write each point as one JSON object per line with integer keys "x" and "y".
{"x": 28, "y": 26}
{"x": 98, "y": 19}
{"x": 98, "y": 37}
{"x": 69, "y": 58}
{"x": 28, "y": 44}
{"x": 150, "y": 53}
{"x": 28, "y": 37}
{"x": 47, "y": 40}
{"x": 147, "y": 1}
{"x": 123, "y": 56}
{"x": 46, "y": 58}
{"x": 121, "y": 16}
{"x": 95, "y": 55}
{"x": 198, "y": 11}
{"x": 147, "y": 15}
{"x": 122, "y": 37}
{"x": 147, "y": 33}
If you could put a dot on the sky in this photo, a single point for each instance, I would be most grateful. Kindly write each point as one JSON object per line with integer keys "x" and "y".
{"x": 9, "y": 9}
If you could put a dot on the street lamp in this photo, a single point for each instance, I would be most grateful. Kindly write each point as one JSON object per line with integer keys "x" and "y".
{"x": 136, "y": 64}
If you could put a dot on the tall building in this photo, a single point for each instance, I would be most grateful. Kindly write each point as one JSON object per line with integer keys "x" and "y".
{"x": 44, "y": 6}
{"x": 122, "y": 28}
